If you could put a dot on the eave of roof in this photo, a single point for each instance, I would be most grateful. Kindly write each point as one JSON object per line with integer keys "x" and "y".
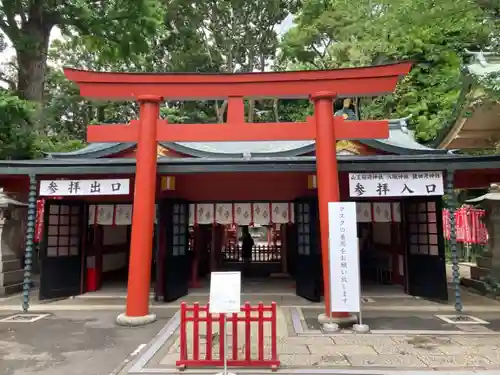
{"x": 400, "y": 142}
{"x": 482, "y": 64}
{"x": 347, "y": 163}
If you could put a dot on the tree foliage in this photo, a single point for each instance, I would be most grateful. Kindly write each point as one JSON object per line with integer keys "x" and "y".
{"x": 433, "y": 34}
{"x": 229, "y": 36}
{"x": 16, "y": 139}
{"x": 116, "y": 28}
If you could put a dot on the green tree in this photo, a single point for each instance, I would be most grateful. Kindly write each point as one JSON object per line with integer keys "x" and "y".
{"x": 197, "y": 36}
{"x": 114, "y": 27}
{"x": 16, "y": 139}
{"x": 433, "y": 34}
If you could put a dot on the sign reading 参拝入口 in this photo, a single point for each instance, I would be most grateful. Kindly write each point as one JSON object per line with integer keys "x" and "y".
{"x": 395, "y": 184}
{"x": 344, "y": 258}
{"x": 65, "y": 188}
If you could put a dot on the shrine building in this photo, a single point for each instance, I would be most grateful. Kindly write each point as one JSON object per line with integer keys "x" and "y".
{"x": 207, "y": 181}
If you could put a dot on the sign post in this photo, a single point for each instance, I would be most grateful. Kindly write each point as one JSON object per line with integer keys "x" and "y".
{"x": 225, "y": 298}
{"x": 345, "y": 285}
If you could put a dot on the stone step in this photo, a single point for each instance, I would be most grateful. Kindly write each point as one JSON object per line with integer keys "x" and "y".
{"x": 484, "y": 262}
{"x": 478, "y": 285}
{"x": 10, "y": 265}
{"x": 7, "y": 290}
{"x": 11, "y": 277}
{"x": 479, "y": 273}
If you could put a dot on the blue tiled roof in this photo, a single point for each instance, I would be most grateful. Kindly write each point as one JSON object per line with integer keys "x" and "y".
{"x": 401, "y": 141}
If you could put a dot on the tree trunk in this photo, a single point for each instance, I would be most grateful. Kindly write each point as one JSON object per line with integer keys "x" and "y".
{"x": 32, "y": 52}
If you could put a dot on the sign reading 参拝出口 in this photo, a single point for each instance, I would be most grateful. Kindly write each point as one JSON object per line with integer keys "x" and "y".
{"x": 65, "y": 188}
{"x": 344, "y": 258}
{"x": 396, "y": 184}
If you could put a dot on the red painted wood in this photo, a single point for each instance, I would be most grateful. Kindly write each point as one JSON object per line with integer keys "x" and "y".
{"x": 375, "y": 80}
{"x": 241, "y": 131}
{"x": 139, "y": 276}
{"x": 327, "y": 179}
{"x": 244, "y": 186}
{"x": 152, "y": 88}
{"x": 264, "y": 317}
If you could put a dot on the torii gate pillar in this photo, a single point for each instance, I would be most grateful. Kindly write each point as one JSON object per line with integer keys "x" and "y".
{"x": 328, "y": 191}
{"x": 139, "y": 275}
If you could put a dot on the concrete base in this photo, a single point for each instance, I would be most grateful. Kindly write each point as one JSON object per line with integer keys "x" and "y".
{"x": 361, "y": 328}
{"x": 134, "y": 321}
{"x": 330, "y": 327}
{"x": 344, "y": 321}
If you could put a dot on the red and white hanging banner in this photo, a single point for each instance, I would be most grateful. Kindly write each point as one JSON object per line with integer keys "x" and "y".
{"x": 460, "y": 223}
{"x": 382, "y": 212}
{"x": 446, "y": 224}
{"x": 40, "y": 208}
{"x": 261, "y": 213}
{"x": 223, "y": 213}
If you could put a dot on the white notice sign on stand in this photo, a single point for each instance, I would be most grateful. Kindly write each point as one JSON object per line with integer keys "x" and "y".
{"x": 225, "y": 292}
{"x": 344, "y": 257}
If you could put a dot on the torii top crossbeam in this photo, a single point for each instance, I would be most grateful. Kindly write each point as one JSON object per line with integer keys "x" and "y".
{"x": 365, "y": 81}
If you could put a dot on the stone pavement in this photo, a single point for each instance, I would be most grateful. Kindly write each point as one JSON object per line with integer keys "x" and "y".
{"x": 83, "y": 340}
{"x": 71, "y": 342}
{"x": 79, "y": 337}
{"x": 302, "y": 350}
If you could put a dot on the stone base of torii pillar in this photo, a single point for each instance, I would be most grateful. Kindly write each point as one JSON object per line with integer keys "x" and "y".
{"x": 341, "y": 321}
{"x": 135, "y": 321}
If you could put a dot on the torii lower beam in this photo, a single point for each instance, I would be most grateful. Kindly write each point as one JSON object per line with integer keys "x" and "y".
{"x": 228, "y": 132}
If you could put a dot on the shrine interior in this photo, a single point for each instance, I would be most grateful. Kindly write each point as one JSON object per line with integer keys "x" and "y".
{"x": 218, "y": 247}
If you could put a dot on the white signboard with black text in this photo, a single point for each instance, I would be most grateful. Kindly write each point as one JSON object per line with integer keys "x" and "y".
{"x": 225, "y": 292}
{"x": 396, "y": 184}
{"x": 65, "y": 188}
{"x": 344, "y": 257}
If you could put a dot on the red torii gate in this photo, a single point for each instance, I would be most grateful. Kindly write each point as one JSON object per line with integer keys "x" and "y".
{"x": 150, "y": 89}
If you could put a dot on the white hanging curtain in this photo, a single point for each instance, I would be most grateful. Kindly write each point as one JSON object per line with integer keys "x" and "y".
{"x": 364, "y": 212}
{"x": 396, "y": 212}
{"x": 105, "y": 214}
{"x": 92, "y": 214}
{"x": 224, "y": 213}
{"x": 382, "y": 212}
{"x": 205, "y": 213}
{"x": 261, "y": 213}
{"x": 281, "y": 213}
{"x": 123, "y": 214}
{"x": 192, "y": 214}
{"x": 242, "y": 213}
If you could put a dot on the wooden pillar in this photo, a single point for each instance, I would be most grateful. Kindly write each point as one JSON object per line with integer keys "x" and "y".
{"x": 327, "y": 180}
{"x": 139, "y": 277}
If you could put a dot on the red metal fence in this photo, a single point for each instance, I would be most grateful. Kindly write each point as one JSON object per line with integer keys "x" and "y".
{"x": 193, "y": 318}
